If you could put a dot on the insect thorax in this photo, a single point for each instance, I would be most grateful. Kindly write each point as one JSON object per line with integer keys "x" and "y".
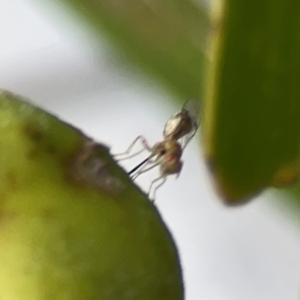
{"x": 178, "y": 126}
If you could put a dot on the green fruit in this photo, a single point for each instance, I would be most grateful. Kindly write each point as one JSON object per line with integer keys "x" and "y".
{"x": 72, "y": 224}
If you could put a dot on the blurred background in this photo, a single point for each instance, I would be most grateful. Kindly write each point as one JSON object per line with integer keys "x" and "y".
{"x": 50, "y": 56}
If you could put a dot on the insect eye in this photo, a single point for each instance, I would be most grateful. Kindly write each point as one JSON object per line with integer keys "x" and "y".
{"x": 162, "y": 152}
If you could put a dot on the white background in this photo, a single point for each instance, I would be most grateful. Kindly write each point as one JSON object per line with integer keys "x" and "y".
{"x": 246, "y": 253}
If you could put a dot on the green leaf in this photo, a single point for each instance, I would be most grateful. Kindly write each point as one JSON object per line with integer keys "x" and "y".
{"x": 73, "y": 225}
{"x": 252, "y": 125}
{"x": 166, "y": 39}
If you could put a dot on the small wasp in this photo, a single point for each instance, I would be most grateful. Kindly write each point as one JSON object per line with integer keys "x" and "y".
{"x": 178, "y": 131}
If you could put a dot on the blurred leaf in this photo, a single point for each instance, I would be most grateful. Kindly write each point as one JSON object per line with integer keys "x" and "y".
{"x": 252, "y": 107}
{"x": 166, "y": 39}
{"x": 292, "y": 194}
{"x": 73, "y": 225}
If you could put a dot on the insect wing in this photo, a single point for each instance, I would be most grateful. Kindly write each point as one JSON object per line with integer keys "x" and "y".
{"x": 192, "y": 107}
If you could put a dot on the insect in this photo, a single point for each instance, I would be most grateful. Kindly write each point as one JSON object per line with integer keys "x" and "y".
{"x": 178, "y": 131}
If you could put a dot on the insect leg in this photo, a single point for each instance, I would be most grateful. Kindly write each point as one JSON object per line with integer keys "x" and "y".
{"x": 164, "y": 178}
{"x": 144, "y": 144}
{"x": 143, "y": 169}
{"x": 179, "y": 169}
{"x": 145, "y": 161}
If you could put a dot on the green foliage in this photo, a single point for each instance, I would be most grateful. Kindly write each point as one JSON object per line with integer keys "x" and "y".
{"x": 165, "y": 39}
{"x": 73, "y": 225}
{"x": 251, "y": 128}
{"x": 252, "y": 123}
